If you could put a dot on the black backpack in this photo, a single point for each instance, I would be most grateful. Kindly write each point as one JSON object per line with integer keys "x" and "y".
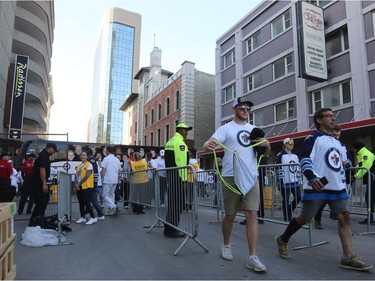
{"x": 49, "y": 222}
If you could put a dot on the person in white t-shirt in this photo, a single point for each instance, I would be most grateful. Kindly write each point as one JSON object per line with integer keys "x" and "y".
{"x": 162, "y": 175}
{"x": 241, "y": 190}
{"x": 111, "y": 169}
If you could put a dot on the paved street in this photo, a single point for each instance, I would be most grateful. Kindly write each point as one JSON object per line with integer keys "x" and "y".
{"x": 120, "y": 248}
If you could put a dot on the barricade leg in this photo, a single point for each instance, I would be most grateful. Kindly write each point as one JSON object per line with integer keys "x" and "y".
{"x": 179, "y": 213}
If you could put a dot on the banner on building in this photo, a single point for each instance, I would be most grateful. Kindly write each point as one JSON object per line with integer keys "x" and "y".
{"x": 18, "y": 96}
{"x": 311, "y": 42}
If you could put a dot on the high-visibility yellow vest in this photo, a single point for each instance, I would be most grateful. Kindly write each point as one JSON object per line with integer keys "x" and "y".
{"x": 89, "y": 183}
{"x": 139, "y": 177}
{"x": 365, "y": 159}
{"x": 177, "y": 146}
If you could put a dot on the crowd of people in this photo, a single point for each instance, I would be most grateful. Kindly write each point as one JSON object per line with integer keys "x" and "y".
{"x": 102, "y": 178}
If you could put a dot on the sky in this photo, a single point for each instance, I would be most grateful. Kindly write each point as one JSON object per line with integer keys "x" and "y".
{"x": 184, "y": 30}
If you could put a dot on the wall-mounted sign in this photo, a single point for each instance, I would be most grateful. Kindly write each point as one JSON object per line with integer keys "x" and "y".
{"x": 311, "y": 42}
{"x": 18, "y": 96}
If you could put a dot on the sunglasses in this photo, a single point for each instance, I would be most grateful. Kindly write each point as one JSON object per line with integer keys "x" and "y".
{"x": 291, "y": 143}
{"x": 244, "y": 108}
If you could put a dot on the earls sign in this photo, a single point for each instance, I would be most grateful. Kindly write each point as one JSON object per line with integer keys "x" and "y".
{"x": 311, "y": 42}
{"x": 18, "y": 96}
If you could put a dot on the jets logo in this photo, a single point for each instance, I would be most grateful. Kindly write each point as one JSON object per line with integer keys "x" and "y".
{"x": 333, "y": 159}
{"x": 292, "y": 168}
{"x": 243, "y": 138}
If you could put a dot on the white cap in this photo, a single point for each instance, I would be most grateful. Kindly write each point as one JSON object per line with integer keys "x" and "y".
{"x": 287, "y": 140}
{"x": 161, "y": 152}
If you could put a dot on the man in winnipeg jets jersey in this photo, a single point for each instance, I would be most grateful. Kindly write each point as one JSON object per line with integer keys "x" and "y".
{"x": 288, "y": 177}
{"x": 321, "y": 156}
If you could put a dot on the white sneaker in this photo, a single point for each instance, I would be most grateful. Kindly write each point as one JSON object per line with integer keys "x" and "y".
{"x": 254, "y": 263}
{"x": 226, "y": 252}
{"x": 102, "y": 218}
{"x": 91, "y": 221}
{"x": 81, "y": 220}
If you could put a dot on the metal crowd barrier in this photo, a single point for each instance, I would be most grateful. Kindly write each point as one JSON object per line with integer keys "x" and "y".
{"x": 272, "y": 209}
{"x": 142, "y": 187}
{"x": 176, "y": 202}
{"x": 52, "y": 207}
{"x": 209, "y": 192}
{"x": 64, "y": 203}
{"x": 359, "y": 204}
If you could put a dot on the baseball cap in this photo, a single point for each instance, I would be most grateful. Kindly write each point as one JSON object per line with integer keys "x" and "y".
{"x": 287, "y": 140}
{"x": 52, "y": 145}
{"x": 242, "y": 100}
{"x": 184, "y": 126}
{"x": 161, "y": 152}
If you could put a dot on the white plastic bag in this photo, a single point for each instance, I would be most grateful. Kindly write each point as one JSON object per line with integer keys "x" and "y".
{"x": 38, "y": 237}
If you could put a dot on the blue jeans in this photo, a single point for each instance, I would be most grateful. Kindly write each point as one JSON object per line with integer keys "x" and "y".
{"x": 95, "y": 202}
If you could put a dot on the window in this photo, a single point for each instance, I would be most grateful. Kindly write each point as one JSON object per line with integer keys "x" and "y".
{"x": 253, "y": 43}
{"x": 152, "y": 139}
{"x": 167, "y": 105}
{"x": 166, "y": 132}
{"x": 254, "y": 80}
{"x": 229, "y": 59}
{"x": 337, "y": 42}
{"x": 332, "y": 96}
{"x": 145, "y": 139}
{"x": 176, "y": 123}
{"x": 284, "y": 111}
{"x": 158, "y": 138}
{"x": 256, "y": 118}
{"x": 135, "y": 127}
{"x": 280, "y": 24}
{"x": 146, "y": 120}
{"x": 373, "y": 22}
{"x": 177, "y": 100}
{"x": 282, "y": 67}
{"x": 230, "y": 93}
{"x": 159, "y": 112}
{"x": 152, "y": 116}
{"x": 320, "y": 3}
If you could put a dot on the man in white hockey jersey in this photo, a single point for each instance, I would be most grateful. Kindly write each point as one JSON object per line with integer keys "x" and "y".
{"x": 322, "y": 166}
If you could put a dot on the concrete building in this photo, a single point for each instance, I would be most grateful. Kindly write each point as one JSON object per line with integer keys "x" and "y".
{"x": 116, "y": 62}
{"x": 27, "y": 29}
{"x": 166, "y": 99}
{"x": 258, "y": 58}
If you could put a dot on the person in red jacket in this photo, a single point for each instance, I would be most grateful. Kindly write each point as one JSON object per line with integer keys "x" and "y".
{"x": 27, "y": 171}
{"x": 6, "y": 170}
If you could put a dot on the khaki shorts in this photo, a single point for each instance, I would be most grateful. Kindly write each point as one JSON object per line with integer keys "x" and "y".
{"x": 234, "y": 202}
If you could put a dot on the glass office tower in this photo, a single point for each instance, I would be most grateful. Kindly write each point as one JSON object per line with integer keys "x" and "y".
{"x": 116, "y": 62}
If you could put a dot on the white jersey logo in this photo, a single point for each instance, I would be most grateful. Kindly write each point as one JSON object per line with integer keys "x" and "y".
{"x": 333, "y": 159}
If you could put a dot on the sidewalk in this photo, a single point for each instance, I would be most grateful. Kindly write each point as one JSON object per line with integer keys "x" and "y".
{"x": 120, "y": 248}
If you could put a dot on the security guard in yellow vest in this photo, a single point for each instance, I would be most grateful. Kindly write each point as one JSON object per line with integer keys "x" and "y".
{"x": 176, "y": 155}
{"x": 365, "y": 159}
